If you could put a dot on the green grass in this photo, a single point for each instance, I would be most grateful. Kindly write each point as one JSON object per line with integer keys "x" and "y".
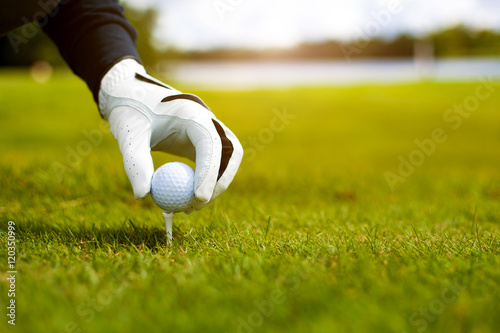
{"x": 308, "y": 238}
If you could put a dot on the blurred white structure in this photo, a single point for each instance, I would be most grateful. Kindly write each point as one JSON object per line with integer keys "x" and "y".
{"x": 424, "y": 58}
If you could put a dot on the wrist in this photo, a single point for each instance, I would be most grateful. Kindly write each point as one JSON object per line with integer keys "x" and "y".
{"x": 121, "y": 71}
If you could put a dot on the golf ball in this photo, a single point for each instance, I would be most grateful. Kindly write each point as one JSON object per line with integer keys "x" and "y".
{"x": 172, "y": 187}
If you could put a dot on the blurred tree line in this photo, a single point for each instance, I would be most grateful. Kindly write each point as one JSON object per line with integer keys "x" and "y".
{"x": 454, "y": 41}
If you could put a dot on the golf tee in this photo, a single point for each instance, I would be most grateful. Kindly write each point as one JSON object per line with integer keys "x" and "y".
{"x": 169, "y": 220}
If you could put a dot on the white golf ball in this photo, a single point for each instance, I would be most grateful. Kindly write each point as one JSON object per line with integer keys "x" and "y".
{"x": 172, "y": 187}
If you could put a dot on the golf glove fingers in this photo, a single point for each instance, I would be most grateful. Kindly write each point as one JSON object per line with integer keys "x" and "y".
{"x": 145, "y": 114}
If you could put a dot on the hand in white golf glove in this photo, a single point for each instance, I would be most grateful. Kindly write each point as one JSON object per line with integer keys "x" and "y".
{"x": 145, "y": 114}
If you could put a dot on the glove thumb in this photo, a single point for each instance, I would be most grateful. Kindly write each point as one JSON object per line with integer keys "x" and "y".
{"x": 132, "y": 130}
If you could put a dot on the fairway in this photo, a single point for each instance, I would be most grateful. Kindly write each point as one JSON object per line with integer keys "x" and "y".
{"x": 356, "y": 209}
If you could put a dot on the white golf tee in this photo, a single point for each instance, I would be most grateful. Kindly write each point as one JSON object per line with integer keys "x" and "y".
{"x": 169, "y": 220}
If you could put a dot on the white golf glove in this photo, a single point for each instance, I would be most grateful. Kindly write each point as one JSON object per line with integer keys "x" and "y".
{"x": 145, "y": 114}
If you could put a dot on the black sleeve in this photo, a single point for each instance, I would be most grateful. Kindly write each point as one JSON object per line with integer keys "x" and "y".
{"x": 92, "y": 35}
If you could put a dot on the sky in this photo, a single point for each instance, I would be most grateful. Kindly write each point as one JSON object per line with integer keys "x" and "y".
{"x": 207, "y": 24}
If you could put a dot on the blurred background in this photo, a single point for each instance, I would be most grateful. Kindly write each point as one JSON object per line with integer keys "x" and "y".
{"x": 242, "y": 44}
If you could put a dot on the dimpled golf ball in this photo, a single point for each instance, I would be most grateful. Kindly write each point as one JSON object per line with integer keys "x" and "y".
{"x": 172, "y": 187}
